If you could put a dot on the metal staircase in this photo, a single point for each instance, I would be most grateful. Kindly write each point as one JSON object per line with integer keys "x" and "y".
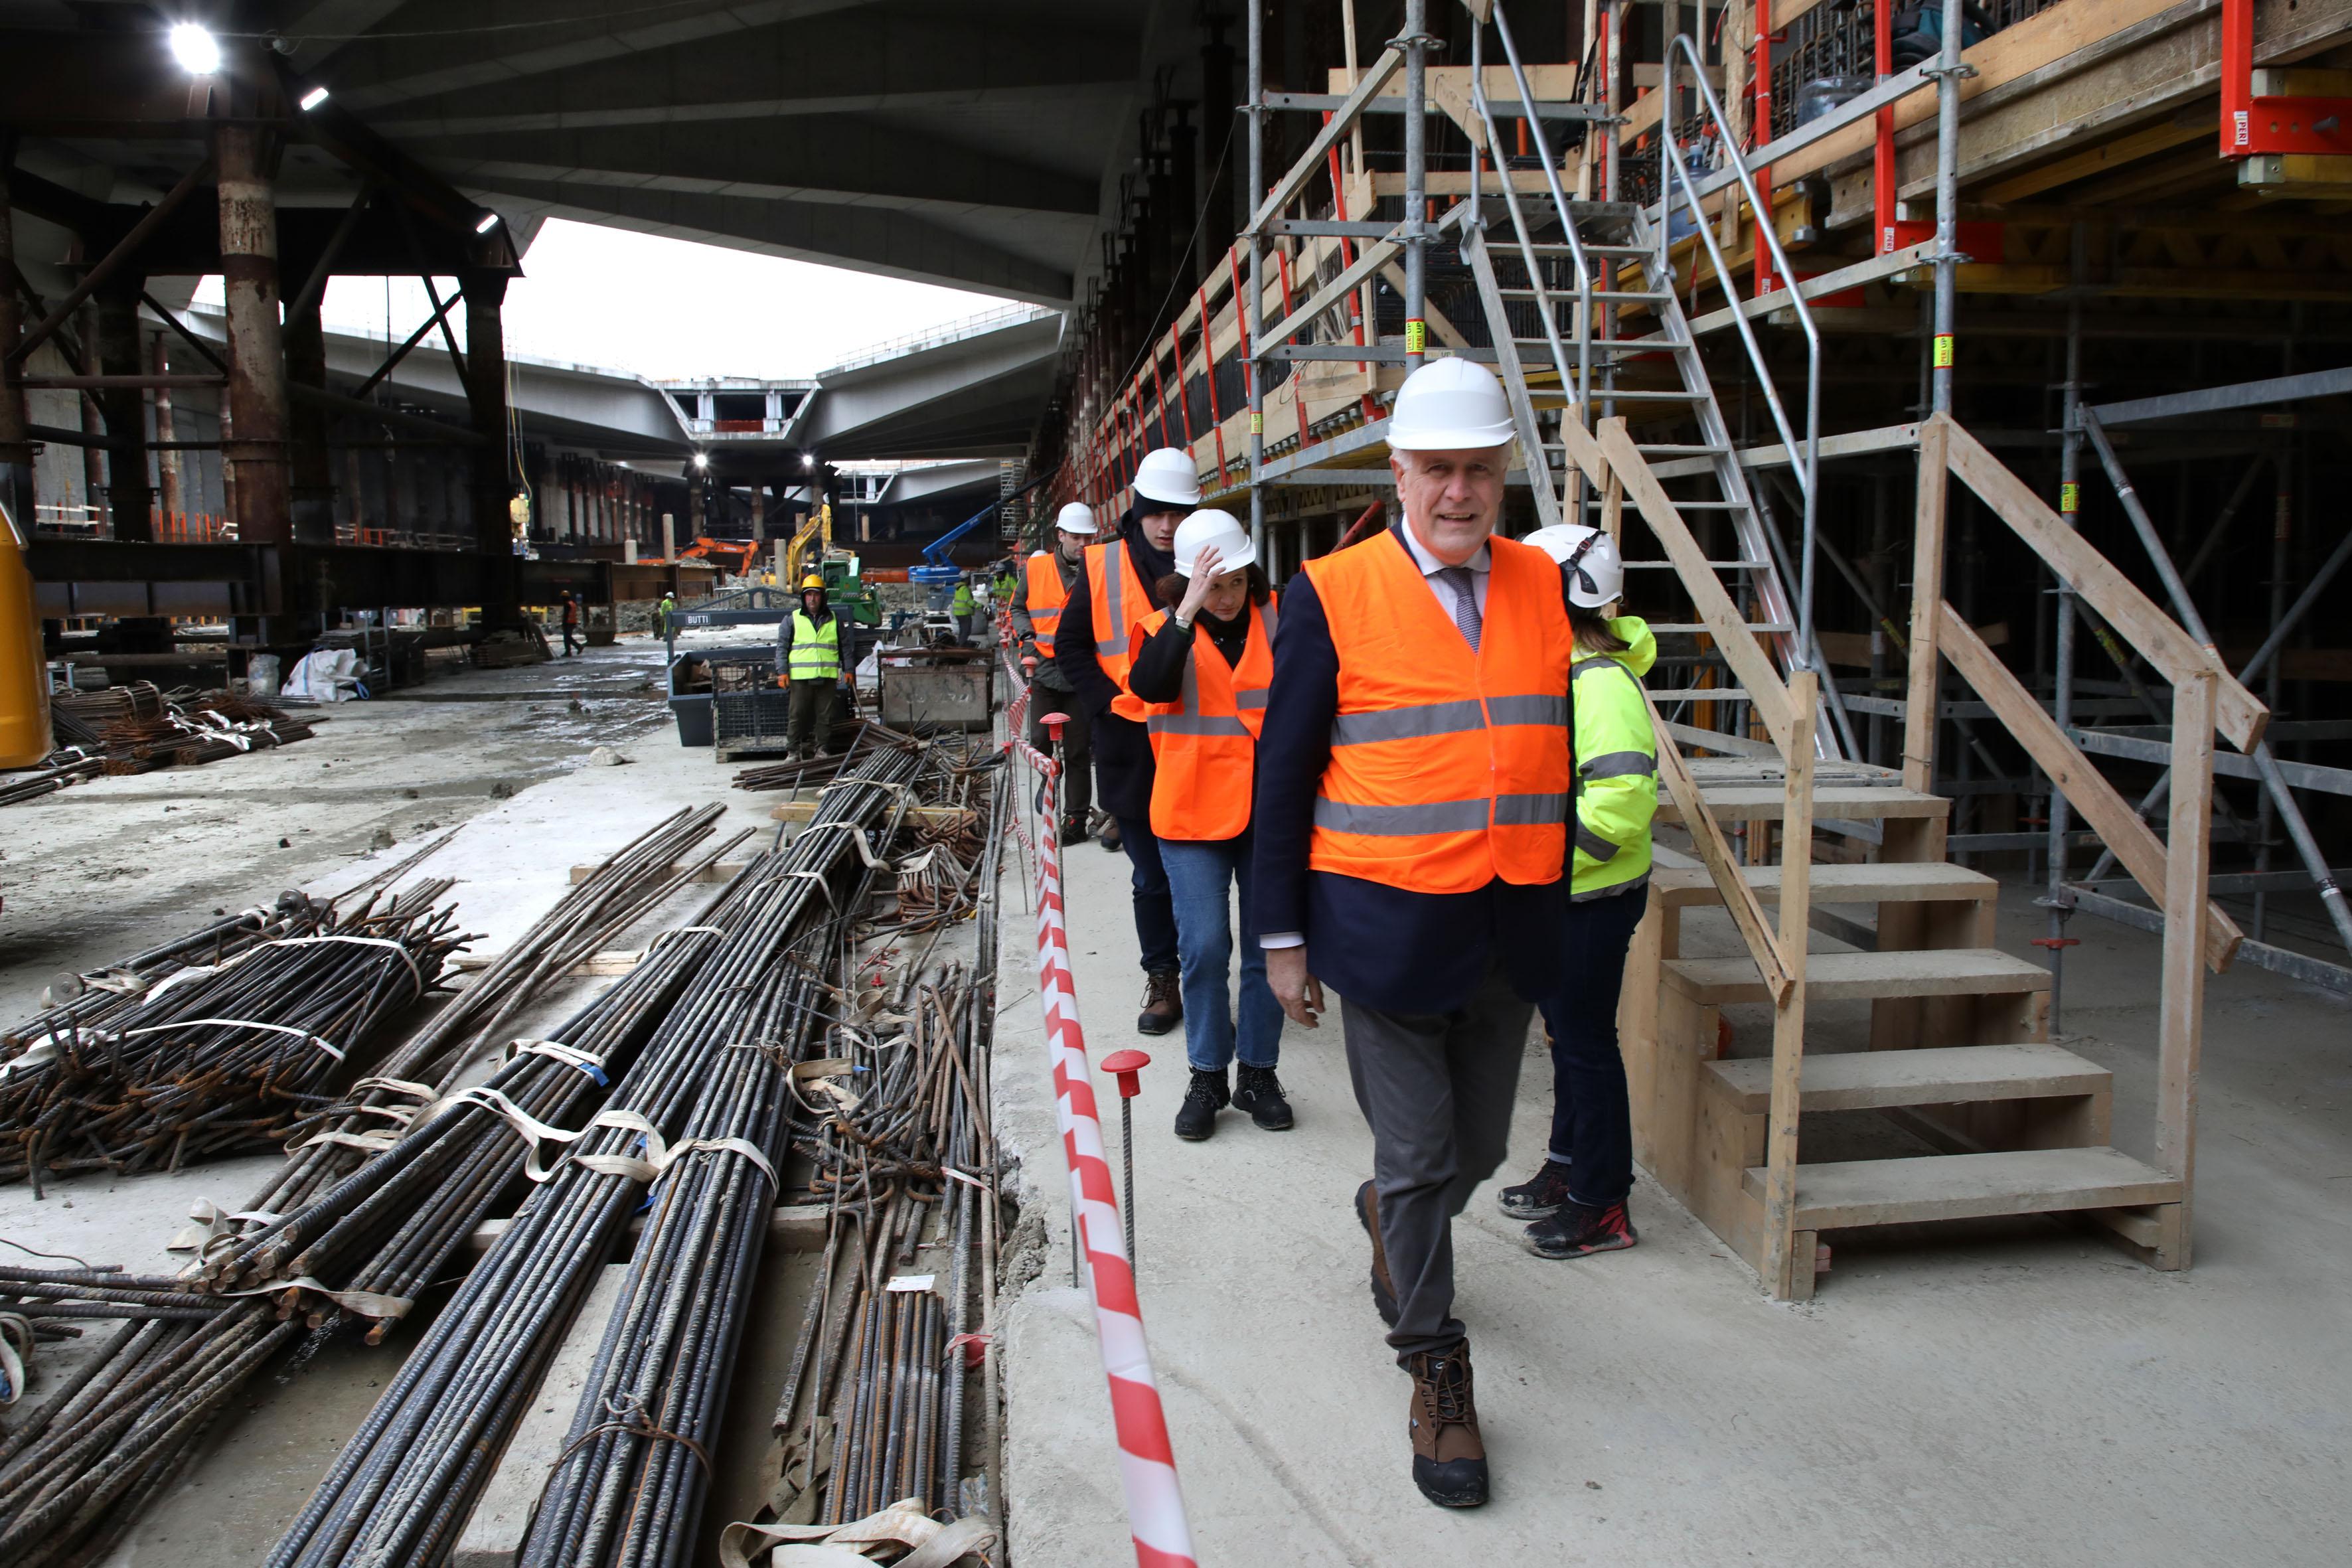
{"x": 1580, "y": 302}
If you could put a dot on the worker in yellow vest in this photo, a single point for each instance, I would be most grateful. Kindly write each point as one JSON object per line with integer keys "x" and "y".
{"x": 1414, "y": 776}
{"x": 1095, "y": 644}
{"x": 1576, "y": 1203}
{"x": 1204, "y": 669}
{"x": 811, "y": 660}
{"x": 1046, "y": 582}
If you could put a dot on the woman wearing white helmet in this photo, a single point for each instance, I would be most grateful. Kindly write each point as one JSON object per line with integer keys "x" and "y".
{"x": 1577, "y": 1202}
{"x": 1205, "y": 671}
{"x": 1094, "y": 647}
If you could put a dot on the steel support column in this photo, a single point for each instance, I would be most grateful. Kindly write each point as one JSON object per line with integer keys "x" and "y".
{"x": 312, "y": 479}
{"x": 15, "y": 443}
{"x": 257, "y": 457}
{"x": 493, "y": 489}
{"x": 129, "y": 500}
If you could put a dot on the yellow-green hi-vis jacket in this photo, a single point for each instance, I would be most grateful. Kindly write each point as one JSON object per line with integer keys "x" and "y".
{"x": 1616, "y": 763}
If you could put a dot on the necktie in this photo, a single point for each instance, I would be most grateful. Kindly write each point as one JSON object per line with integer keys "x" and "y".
{"x": 1466, "y": 601}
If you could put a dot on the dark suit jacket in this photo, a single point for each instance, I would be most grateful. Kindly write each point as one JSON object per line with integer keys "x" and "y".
{"x": 1374, "y": 944}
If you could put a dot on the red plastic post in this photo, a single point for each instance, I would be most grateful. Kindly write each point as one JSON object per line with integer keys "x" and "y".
{"x": 1127, "y": 1068}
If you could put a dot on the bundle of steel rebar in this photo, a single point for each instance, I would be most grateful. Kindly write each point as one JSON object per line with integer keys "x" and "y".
{"x": 75, "y": 1475}
{"x": 629, "y": 884}
{"x": 88, "y": 1001}
{"x": 100, "y": 1293}
{"x": 852, "y": 744}
{"x": 93, "y": 711}
{"x": 169, "y": 1388}
{"x": 215, "y": 1059}
{"x": 380, "y": 1233}
{"x": 700, "y": 1114}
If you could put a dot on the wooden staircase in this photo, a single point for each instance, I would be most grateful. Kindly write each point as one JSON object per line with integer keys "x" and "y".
{"x": 1959, "y": 1052}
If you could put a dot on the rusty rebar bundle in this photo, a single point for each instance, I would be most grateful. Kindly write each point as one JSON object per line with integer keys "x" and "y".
{"x": 221, "y": 1058}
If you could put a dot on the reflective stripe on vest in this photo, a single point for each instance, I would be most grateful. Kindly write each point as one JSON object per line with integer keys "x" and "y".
{"x": 1047, "y": 595}
{"x": 1119, "y": 600}
{"x": 1448, "y": 768}
{"x": 1204, "y": 744}
{"x": 817, "y": 649}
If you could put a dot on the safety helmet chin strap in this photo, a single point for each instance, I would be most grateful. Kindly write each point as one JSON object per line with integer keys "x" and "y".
{"x": 1575, "y": 559}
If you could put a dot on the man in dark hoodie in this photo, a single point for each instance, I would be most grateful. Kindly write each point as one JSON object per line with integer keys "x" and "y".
{"x": 1093, "y": 648}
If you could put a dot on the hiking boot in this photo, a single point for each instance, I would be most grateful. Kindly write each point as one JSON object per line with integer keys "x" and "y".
{"x": 1540, "y": 1198}
{"x": 1449, "y": 1460}
{"x": 1163, "y": 1008}
{"x": 1368, "y": 1215}
{"x": 1074, "y": 830}
{"x": 1259, "y": 1092}
{"x": 1579, "y": 1230}
{"x": 1109, "y": 832}
{"x": 1197, "y": 1117}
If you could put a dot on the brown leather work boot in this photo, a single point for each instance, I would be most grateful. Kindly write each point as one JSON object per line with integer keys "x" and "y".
{"x": 1163, "y": 1006}
{"x": 1449, "y": 1460}
{"x": 1368, "y": 1215}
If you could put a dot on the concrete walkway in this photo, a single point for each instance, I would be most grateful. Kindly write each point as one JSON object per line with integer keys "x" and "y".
{"x": 2010, "y": 1393}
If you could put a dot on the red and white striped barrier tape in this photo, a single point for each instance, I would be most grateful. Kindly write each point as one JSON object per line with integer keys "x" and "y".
{"x": 1155, "y": 1503}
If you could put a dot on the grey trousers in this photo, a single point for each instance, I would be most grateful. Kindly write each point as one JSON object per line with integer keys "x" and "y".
{"x": 1437, "y": 1090}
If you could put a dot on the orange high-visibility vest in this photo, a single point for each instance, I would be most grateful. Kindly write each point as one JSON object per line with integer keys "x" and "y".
{"x": 1120, "y": 600}
{"x": 1205, "y": 743}
{"x": 1045, "y": 598}
{"x": 1448, "y": 769}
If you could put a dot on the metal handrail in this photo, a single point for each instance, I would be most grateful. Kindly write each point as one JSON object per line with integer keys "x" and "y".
{"x": 1579, "y": 387}
{"x": 1680, "y": 49}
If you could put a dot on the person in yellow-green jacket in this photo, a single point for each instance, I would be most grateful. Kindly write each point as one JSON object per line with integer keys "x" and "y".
{"x": 1576, "y": 1204}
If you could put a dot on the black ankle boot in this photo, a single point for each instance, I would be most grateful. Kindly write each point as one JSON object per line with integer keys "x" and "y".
{"x": 1259, "y": 1092}
{"x": 1197, "y": 1117}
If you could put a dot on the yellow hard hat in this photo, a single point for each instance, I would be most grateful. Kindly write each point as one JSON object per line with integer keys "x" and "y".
{"x": 811, "y": 580}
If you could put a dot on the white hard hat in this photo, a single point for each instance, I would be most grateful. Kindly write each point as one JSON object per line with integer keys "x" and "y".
{"x": 1210, "y": 527}
{"x": 1168, "y": 476}
{"x": 1449, "y": 404}
{"x": 1077, "y": 517}
{"x": 1596, "y": 571}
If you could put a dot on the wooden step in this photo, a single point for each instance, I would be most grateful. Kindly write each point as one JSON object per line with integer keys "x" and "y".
{"x": 1851, "y": 1193}
{"x": 1846, "y": 803}
{"x": 1944, "y": 1075}
{"x": 1852, "y": 977}
{"x": 1888, "y": 882}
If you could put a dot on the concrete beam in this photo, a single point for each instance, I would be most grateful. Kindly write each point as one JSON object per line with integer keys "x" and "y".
{"x": 875, "y": 61}
{"x": 869, "y": 239}
{"x": 851, "y": 162}
{"x": 398, "y": 69}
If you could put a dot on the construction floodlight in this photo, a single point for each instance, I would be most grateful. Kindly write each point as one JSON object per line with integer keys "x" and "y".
{"x": 702, "y": 459}
{"x": 312, "y": 99}
{"x": 197, "y": 50}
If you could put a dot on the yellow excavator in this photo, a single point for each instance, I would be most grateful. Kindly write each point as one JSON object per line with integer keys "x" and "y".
{"x": 844, "y": 589}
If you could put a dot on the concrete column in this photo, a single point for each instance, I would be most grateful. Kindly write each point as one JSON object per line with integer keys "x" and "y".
{"x": 494, "y": 486}
{"x": 313, "y": 483}
{"x": 256, "y": 382}
{"x": 15, "y": 446}
{"x": 669, "y": 537}
{"x": 695, "y": 486}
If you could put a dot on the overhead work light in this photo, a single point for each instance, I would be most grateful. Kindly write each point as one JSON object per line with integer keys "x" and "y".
{"x": 702, "y": 459}
{"x": 197, "y": 50}
{"x": 488, "y": 222}
{"x": 312, "y": 99}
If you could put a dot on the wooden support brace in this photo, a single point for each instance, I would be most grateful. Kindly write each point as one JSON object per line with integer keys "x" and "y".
{"x": 1612, "y": 451}
{"x": 1781, "y": 1269}
{"x": 1715, "y": 850}
{"x": 2085, "y": 788}
{"x": 2240, "y": 714}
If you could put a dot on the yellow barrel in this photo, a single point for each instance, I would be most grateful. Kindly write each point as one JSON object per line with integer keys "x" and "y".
{"x": 23, "y": 675}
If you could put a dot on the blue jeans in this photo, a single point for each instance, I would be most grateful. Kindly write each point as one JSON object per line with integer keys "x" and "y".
{"x": 1591, "y": 1122}
{"x": 1200, "y": 876}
